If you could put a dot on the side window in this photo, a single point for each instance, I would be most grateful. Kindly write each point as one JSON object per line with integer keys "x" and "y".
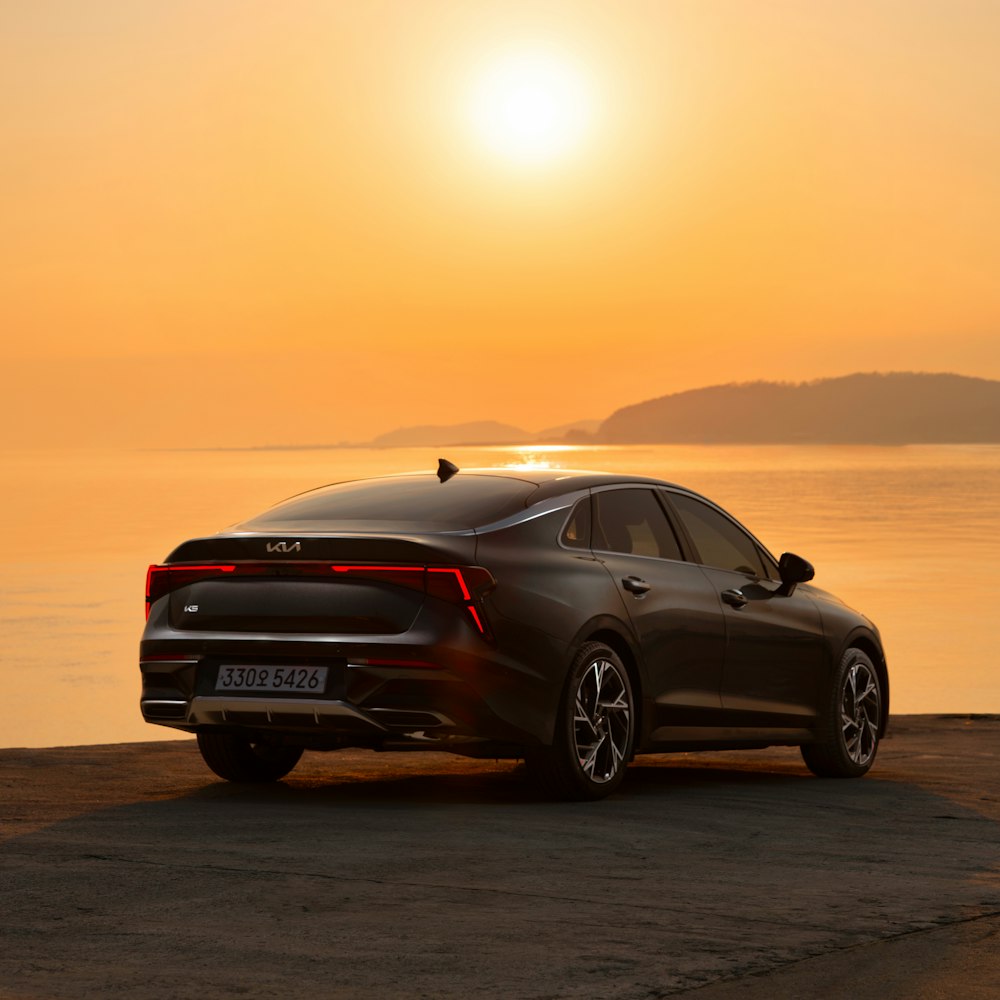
{"x": 720, "y": 543}
{"x": 576, "y": 534}
{"x": 633, "y": 521}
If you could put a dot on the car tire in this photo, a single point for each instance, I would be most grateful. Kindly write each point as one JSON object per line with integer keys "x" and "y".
{"x": 237, "y": 758}
{"x": 848, "y": 734}
{"x": 594, "y": 731}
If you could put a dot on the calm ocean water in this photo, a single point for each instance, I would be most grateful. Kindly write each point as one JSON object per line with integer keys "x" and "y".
{"x": 909, "y": 535}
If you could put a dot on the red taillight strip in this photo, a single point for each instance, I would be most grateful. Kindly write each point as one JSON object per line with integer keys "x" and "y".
{"x": 377, "y": 569}
{"x": 467, "y": 599}
{"x": 160, "y": 580}
{"x": 454, "y": 572}
{"x": 466, "y": 596}
{"x": 475, "y": 617}
{"x": 412, "y": 577}
{"x": 155, "y": 571}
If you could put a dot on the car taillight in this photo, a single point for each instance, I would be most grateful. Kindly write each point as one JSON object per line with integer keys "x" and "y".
{"x": 161, "y": 580}
{"x": 459, "y": 584}
{"x": 401, "y": 576}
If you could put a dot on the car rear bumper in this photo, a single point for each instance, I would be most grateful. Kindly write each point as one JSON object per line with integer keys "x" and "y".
{"x": 457, "y": 696}
{"x": 247, "y": 710}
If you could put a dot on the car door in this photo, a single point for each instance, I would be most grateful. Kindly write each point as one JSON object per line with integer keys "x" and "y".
{"x": 775, "y": 651}
{"x": 671, "y": 605}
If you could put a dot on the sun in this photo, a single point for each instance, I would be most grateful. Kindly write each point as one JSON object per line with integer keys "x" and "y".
{"x": 531, "y": 106}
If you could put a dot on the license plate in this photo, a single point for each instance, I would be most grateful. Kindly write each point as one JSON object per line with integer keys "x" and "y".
{"x": 301, "y": 680}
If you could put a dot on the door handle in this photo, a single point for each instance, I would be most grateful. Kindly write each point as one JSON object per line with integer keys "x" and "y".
{"x": 734, "y": 598}
{"x": 635, "y": 585}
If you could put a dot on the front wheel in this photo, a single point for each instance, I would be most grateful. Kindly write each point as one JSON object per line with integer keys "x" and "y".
{"x": 594, "y": 732}
{"x": 236, "y": 758}
{"x": 848, "y": 735}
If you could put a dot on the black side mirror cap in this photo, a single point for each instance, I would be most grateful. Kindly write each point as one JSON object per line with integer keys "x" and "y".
{"x": 793, "y": 570}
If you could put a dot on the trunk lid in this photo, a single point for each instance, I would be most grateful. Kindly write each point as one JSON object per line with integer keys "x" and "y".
{"x": 346, "y": 584}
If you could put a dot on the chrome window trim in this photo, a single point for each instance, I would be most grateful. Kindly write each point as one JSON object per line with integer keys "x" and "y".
{"x": 541, "y": 509}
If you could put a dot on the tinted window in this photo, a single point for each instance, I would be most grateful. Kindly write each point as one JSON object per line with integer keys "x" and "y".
{"x": 719, "y": 541}
{"x": 463, "y": 501}
{"x": 633, "y": 521}
{"x": 576, "y": 534}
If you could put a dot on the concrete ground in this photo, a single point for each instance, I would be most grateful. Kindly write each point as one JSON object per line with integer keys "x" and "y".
{"x": 129, "y": 870}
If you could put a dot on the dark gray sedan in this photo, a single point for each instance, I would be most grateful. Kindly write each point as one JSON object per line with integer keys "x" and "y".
{"x": 572, "y": 619}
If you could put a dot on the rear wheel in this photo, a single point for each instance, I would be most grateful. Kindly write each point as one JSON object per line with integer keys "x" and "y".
{"x": 594, "y": 732}
{"x": 237, "y": 758}
{"x": 849, "y": 731}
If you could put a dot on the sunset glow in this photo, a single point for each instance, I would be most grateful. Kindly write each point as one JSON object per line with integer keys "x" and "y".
{"x": 324, "y": 223}
{"x": 530, "y": 106}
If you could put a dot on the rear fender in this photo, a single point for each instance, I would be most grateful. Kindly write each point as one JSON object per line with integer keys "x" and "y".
{"x": 615, "y": 633}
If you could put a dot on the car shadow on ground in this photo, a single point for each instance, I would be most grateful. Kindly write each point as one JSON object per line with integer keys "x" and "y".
{"x": 382, "y": 876}
{"x": 492, "y": 783}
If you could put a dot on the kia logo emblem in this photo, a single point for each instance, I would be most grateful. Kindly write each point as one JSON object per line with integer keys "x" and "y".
{"x": 284, "y": 546}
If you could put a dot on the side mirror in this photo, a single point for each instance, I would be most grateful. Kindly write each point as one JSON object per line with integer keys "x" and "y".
{"x": 793, "y": 570}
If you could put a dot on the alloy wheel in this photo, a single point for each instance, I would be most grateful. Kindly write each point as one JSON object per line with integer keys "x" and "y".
{"x": 860, "y": 713}
{"x": 602, "y": 721}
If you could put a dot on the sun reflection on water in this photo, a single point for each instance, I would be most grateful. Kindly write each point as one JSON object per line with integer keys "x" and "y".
{"x": 538, "y": 457}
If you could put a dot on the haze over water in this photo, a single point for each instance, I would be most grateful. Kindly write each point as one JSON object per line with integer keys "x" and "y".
{"x": 910, "y": 536}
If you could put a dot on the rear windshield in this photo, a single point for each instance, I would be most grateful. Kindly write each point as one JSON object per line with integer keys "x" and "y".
{"x": 465, "y": 501}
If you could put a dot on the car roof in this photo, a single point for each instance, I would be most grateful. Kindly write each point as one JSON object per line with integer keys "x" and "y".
{"x": 454, "y": 506}
{"x": 549, "y": 482}
{"x": 553, "y": 482}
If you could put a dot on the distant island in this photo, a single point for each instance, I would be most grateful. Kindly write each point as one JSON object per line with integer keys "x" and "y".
{"x": 865, "y": 408}
{"x": 894, "y": 408}
{"x": 480, "y": 432}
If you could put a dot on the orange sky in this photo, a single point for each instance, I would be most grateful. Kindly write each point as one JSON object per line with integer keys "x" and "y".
{"x": 248, "y": 222}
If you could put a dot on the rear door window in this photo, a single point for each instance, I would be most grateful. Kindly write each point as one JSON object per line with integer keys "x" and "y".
{"x": 633, "y": 522}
